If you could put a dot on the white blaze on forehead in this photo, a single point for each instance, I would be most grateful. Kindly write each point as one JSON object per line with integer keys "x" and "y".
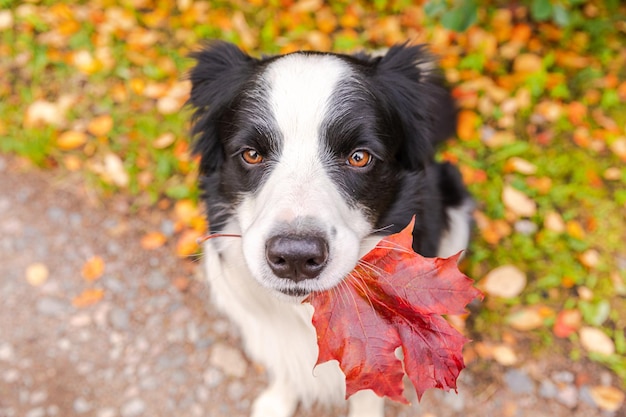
{"x": 300, "y": 88}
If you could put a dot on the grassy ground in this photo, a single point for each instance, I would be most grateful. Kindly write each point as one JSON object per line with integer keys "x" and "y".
{"x": 98, "y": 87}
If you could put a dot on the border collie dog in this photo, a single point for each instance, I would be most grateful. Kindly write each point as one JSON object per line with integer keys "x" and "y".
{"x": 312, "y": 157}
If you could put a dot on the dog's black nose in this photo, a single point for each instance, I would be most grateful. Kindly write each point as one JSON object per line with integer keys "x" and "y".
{"x": 296, "y": 257}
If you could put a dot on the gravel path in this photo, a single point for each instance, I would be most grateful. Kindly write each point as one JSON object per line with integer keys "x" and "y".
{"x": 151, "y": 346}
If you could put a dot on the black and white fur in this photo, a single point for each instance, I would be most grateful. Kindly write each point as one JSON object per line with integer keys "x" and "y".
{"x": 305, "y": 214}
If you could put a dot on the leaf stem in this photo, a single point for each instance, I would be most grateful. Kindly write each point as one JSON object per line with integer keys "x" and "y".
{"x": 204, "y": 238}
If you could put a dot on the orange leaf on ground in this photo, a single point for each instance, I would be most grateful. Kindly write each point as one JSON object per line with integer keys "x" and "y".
{"x": 71, "y": 139}
{"x": 527, "y": 63}
{"x": 101, "y": 125}
{"x": 576, "y": 112}
{"x": 492, "y": 230}
{"x": 541, "y": 184}
{"x": 466, "y": 124}
{"x": 88, "y": 297}
{"x": 571, "y": 59}
{"x": 187, "y": 244}
{"x": 621, "y": 90}
{"x": 521, "y": 33}
{"x": 567, "y": 322}
{"x": 93, "y": 268}
{"x": 153, "y": 240}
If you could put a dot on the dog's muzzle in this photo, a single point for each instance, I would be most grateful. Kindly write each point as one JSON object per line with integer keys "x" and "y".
{"x": 296, "y": 257}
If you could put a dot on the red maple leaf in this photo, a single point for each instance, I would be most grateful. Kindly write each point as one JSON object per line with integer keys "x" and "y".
{"x": 394, "y": 298}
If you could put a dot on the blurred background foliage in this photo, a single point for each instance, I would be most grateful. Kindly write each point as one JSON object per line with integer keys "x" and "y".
{"x": 98, "y": 88}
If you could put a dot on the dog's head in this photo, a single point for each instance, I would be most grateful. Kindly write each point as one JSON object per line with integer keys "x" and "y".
{"x": 306, "y": 154}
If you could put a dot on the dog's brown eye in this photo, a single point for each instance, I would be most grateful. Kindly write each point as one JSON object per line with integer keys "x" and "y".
{"x": 252, "y": 157}
{"x": 360, "y": 159}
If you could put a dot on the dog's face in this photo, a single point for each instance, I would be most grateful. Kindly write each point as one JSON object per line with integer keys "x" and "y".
{"x": 306, "y": 154}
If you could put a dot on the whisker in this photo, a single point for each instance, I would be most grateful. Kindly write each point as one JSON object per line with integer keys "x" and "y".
{"x": 342, "y": 289}
{"x": 360, "y": 283}
{"x": 370, "y": 266}
{"x": 381, "y": 275}
{"x": 382, "y": 229}
{"x": 352, "y": 296}
{"x": 394, "y": 246}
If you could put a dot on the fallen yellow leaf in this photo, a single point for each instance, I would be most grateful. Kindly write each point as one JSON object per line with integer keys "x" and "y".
{"x": 595, "y": 340}
{"x": 505, "y": 281}
{"x": 550, "y": 110}
{"x": 37, "y": 274}
{"x": 163, "y": 141}
{"x": 185, "y": 210}
{"x": 6, "y": 20}
{"x": 518, "y": 202}
{"x": 504, "y": 355}
{"x": 72, "y": 162}
{"x": 519, "y": 165}
{"x": 607, "y": 398}
{"x": 169, "y": 105}
{"x": 619, "y": 148}
{"x": 575, "y": 229}
{"x": 525, "y": 319}
{"x": 590, "y": 258}
{"x": 499, "y": 138}
{"x": 85, "y": 62}
{"x": 554, "y": 222}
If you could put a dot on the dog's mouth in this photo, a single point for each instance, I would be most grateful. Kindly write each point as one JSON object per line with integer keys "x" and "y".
{"x": 295, "y": 292}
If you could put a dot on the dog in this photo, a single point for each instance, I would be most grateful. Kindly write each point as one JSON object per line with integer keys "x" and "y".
{"x": 311, "y": 158}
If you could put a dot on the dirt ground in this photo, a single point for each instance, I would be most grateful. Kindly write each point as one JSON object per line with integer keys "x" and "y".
{"x": 152, "y": 346}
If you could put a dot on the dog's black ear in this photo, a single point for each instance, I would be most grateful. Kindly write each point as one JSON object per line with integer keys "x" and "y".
{"x": 220, "y": 72}
{"x": 419, "y": 107}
